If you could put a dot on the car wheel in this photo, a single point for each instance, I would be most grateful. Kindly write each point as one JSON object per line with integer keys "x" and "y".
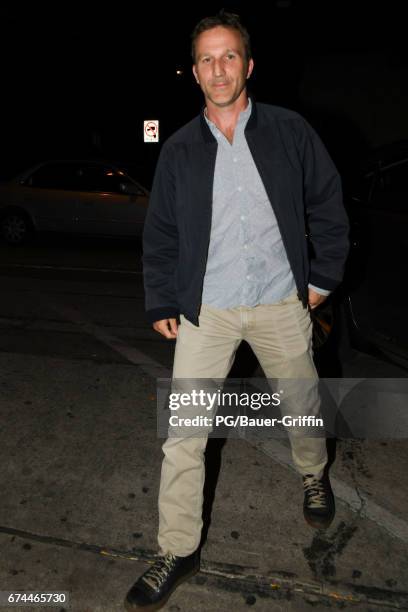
{"x": 16, "y": 227}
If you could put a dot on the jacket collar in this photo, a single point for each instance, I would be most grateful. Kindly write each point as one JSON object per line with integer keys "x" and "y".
{"x": 208, "y": 135}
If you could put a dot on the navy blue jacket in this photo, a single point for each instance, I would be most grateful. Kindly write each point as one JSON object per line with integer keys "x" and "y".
{"x": 303, "y": 187}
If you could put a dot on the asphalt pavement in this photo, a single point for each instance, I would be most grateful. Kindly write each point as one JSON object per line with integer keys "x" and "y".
{"x": 81, "y": 463}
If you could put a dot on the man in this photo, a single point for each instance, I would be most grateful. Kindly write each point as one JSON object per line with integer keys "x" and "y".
{"x": 226, "y": 251}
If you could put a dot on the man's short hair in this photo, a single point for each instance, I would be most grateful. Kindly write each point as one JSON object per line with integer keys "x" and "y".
{"x": 226, "y": 20}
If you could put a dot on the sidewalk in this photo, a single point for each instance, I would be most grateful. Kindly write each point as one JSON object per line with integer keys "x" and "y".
{"x": 80, "y": 475}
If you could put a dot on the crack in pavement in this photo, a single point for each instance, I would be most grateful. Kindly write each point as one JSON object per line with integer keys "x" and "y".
{"x": 231, "y": 577}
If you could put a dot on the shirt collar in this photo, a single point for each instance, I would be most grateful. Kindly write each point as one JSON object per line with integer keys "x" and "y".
{"x": 242, "y": 119}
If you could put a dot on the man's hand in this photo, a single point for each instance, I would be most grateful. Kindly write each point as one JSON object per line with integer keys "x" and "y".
{"x": 315, "y": 299}
{"x": 166, "y": 327}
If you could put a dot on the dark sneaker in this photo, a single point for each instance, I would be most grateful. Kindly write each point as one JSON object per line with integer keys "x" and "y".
{"x": 318, "y": 505}
{"x": 154, "y": 587}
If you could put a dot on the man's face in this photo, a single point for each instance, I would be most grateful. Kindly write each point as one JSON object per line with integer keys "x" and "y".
{"x": 221, "y": 68}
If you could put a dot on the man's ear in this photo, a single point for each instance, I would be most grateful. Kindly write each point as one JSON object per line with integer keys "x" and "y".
{"x": 195, "y": 73}
{"x": 250, "y": 68}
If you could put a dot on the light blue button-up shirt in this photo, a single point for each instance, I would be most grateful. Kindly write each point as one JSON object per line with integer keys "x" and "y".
{"x": 247, "y": 262}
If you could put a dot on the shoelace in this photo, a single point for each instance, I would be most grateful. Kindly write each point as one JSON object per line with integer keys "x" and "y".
{"x": 157, "y": 574}
{"x": 315, "y": 492}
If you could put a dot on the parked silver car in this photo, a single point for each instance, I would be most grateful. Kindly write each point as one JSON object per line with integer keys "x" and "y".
{"x": 86, "y": 197}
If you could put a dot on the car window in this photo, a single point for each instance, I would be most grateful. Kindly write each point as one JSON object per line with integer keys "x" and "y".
{"x": 391, "y": 189}
{"x": 362, "y": 188}
{"x": 100, "y": 178}
{"x": 55, "y": 176}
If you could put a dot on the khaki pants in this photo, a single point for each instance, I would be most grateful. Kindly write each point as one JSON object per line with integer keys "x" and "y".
{"x": 280, "y": 335}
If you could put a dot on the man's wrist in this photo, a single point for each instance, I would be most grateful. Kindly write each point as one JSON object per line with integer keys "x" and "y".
{"x": 319, "y": 290}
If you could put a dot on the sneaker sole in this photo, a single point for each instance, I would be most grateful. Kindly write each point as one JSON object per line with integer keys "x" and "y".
{"x": 317, "y": 525}
{"x": 159, "y": 604}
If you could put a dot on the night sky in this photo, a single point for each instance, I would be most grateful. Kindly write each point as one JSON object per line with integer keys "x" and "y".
{"x": 78, "y": 81}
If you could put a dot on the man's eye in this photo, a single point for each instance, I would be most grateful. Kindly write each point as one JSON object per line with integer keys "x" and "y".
{"x": 230, "y": 56}
{"x": 206, "y": 60}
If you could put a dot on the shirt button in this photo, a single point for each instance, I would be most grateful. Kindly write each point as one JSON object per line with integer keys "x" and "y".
{"x": 245, "y": 246}
{"x": 235, "y": 159}
{"x": 248, "y": 276}
{"x": 242, "y": 218}
{"x": 240, "y": 188}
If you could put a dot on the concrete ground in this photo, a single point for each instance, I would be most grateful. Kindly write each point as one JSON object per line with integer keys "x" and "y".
{"x": 80, "y": 474}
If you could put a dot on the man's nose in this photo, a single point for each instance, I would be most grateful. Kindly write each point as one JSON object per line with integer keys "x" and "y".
{"x": 218, "y": 68}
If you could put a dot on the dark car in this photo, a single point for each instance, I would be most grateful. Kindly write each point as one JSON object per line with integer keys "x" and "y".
{"x": 86, "y": 197}
{"x": 376, "y": 274}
